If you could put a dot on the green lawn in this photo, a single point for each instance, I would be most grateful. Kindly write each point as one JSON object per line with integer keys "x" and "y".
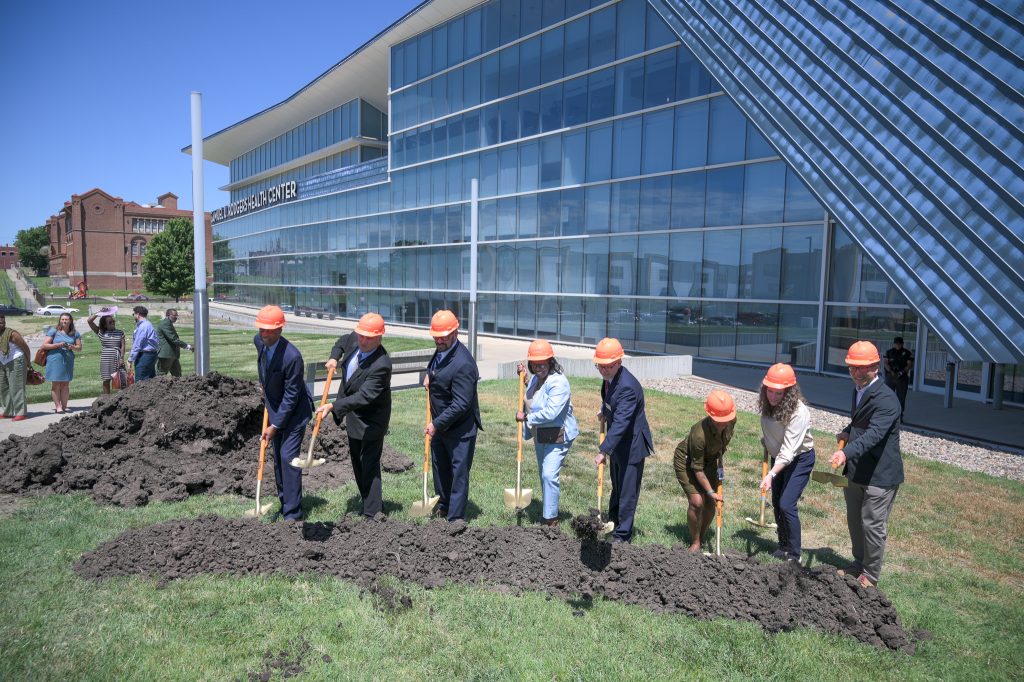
{"x": 231, "y": 351}
{"x": 955, "y": 567}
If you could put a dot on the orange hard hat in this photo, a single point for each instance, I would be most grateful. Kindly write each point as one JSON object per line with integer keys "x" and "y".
{"x": 720, "y": 406}
{"x": 780, "y": 376}
{"x": 862, "y": 354}
{"x": 370, "y": 324}
{"x": 443, "y": 323}
{"x": 270, "y": 317}
{"x": 540, "y": 350}
{"x": 608, "y": 351}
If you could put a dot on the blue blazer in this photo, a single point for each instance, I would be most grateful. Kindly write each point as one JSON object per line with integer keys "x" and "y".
{"x": 552, "y": 406}
{"x": 454, "y": 407}
{"x": 627, "y": 436}
{"x": 284, "y": 385}
{"x": 873, "y": 453}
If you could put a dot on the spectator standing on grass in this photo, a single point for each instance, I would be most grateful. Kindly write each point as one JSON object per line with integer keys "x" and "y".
{"x": 144, "y": 345}
{"x": 699, "y": 463}
{"x": 364, "y": 401}
{"x": 287, "y": 400}
{"x": 111, "y": 344}
{"x": 61, "y": 344}
{"x": 169, "y": 354}
{"x": 899, "y": 364}
{"x": 786, "y": 435}
{"x": 14, "y": 367}
{"x": 872, "y": 459}
{"x": 452, "y": 376}
{"x": 548, "y": 420}
{"x": 627, "y": 441}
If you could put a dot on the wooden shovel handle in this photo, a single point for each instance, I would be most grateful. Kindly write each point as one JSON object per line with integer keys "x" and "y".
{"x": 323, "y": 401}
{"x": 842, "y": 444}
{"x": 600, "y": 470}
{"x": 522, "y": 408}
{"x": 718, "y": 508}
{"x": 263, "y": 444}
{"x": 426, "y": 440}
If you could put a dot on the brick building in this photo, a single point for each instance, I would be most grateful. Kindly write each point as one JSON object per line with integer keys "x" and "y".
{"x": 8, "y": 256}
{"x": 100, "y": 239}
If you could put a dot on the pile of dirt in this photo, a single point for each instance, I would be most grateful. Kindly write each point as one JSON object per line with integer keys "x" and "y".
{"x": 163, "y": 440}
{"x": 778, "y": 597}
{"x": 588, "y": 526}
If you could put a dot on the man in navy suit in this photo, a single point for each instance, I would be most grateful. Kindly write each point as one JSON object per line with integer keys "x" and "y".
{"x": 874, "y": 465}
{"x": 627, "y": 441}
{"x": 455, "y": 415}
{"x": 282, "y": 376}
{"x": 364, "y": 400}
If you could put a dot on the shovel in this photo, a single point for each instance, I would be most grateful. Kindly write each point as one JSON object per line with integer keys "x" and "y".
{"x": 764, "y": 472}
{"x": 838, "y": 480}
{"x": 609, "y": 526}
{"x": 260, "y": 511}
{"x": 718, "y": 522}
{"x": 425, "y": 506}
{"x": 309, "y": 462}
{"x": 519, "y": 498}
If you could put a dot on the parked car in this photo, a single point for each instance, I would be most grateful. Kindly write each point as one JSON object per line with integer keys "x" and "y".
{"x": 11, "y": 310}
{"x": 136, "y": 297}
{"x": 54, "y": 309}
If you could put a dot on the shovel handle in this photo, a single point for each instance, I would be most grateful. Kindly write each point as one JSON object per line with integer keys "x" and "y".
{"x": 521, "y": 407}
{"x": 323, "y": 401}
{"x": 600, "y": 470}
{"x": 718, "y": 507}
{"x": 842, "y": 444}
{"x": 263, "y": 445}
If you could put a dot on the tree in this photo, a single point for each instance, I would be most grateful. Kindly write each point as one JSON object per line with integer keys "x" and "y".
{"x": 168, "y": 266}
{"x": 34, "y": 247}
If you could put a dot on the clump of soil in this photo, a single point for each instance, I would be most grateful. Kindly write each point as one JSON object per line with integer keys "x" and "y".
{"x": 588, "y": 527}
{"x": 285, "y": 664}
{"x": 778, "y": 597}
{"x": 165, "y": 439}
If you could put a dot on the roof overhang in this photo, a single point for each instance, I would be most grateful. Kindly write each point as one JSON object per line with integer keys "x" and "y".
{"x": 365, "y": 74}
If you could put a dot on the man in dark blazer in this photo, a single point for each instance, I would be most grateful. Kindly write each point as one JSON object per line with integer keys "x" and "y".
{"x": 364, "y": 400}
{"x": 627, "y": 441}
{"x": 168, "y": 356}
{"x": 282, "y": 376}
{"x": 455, "y": 415}
{"x": 873, "y": 463}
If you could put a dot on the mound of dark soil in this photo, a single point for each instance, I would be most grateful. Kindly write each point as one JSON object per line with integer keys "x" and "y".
{"x": 165, "y": 439}
{"x": 509, "y": 559}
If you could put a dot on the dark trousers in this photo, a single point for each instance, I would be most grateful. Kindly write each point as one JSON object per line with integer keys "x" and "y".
{"x": 787, "y": 488}
{"x": 451, "y": 460}
{"x": 899, "y": 385}
{"x": 626, "y": 479}
{"x": 170, "y": 366}
{"x": 365, "y": 454}
{"x": 145, "y": 366}
{"x": 287, "y": 445}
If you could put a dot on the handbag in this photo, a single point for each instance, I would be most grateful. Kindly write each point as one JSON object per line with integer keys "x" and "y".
{"x": 34, "y": 378}
{"x": 122, "y": 378}
{"x": 548, "y": 435}
{"x": 40, "y": 357}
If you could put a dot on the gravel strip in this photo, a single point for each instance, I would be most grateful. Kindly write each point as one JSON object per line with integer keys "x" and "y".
{"x": 971, "y": 457}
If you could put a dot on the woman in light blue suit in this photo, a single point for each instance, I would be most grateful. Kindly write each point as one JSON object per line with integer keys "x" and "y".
{"x": 549, "y": 421}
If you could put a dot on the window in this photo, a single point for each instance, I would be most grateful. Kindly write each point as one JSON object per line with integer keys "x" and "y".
{"x": 135, "y": 268}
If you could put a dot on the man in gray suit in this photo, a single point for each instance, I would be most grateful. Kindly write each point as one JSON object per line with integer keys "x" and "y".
{"x": 167, "y": 358}
{"x": 873, "y": 463}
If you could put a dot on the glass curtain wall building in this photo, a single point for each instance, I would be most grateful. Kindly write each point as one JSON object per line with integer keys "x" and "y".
{"x": 622, "y": 193}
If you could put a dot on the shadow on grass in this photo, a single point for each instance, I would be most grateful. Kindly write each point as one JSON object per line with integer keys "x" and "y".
{"x": 354, "y": 505}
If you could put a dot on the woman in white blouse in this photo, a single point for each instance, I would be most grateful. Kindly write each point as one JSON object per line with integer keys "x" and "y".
{"x": 786, "y": 429}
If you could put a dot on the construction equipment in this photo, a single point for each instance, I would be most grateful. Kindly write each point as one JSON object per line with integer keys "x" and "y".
{"x": 718, "y": 521}
{"x": 308, "y": 462}
{"x": 832, "y": 478}
{"x": 764, "y": 472}
{"x": 259, "y": 511}
{"x": 608, "y": 526}
{"x": 425, "y": 506}
{"x": 519, "y": 498}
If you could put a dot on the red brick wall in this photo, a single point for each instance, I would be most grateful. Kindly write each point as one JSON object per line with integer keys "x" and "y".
{"x": 8, "y": 256}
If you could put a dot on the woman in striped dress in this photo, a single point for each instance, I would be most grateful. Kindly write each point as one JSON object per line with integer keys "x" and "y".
{"x": 111, "y": 344}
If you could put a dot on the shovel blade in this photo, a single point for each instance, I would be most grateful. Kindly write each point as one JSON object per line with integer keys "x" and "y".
{"x": 755, "y": 522}
{"x": 422, "y": 508}
{"x": 303, "y": 463}
{"x": 608, "y": 527}
{"x": 829, "y": 478}
{"x": 522, "y": 501}
{"x": 257, "y": 512}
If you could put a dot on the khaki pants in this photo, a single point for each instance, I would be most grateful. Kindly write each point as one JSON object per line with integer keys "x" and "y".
{"x": 168, "y": 365}
{"x": 12, "y": 388}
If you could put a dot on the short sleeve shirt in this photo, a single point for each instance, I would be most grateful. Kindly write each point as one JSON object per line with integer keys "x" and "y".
{"x": 899, "y": 359}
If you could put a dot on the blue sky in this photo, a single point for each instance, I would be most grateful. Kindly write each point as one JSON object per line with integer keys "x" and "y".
{"x": 96, "y": 94}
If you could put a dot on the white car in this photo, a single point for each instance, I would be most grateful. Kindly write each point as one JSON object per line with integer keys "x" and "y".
{"x": 54, "y": 309}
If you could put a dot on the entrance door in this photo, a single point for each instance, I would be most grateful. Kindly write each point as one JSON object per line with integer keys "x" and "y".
{"x": 971, "y": 377}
